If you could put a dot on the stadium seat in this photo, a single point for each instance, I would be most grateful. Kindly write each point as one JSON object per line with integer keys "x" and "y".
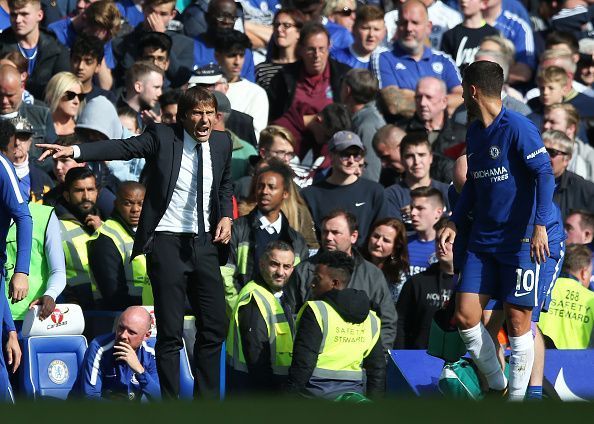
{"x": 186, "y": 384}
{"x": 53, "y": 352}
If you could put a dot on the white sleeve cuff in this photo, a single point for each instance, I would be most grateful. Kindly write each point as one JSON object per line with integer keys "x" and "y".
{"x": 75, "y": 152}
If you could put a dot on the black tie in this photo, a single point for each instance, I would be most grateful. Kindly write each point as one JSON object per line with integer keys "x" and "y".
{"x": 199, "y": 200}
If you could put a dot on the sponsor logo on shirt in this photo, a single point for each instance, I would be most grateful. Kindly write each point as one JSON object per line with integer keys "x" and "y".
{"x": 494, "y": 174}
{"x": 532, "y": 155}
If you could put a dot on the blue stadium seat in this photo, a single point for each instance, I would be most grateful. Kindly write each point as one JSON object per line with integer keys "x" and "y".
{"x": 186, "y": 384}
{"x": 51, "y": 365}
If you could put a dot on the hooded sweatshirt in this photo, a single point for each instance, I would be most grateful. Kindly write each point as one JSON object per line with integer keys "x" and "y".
{"x": 353, "y": 306}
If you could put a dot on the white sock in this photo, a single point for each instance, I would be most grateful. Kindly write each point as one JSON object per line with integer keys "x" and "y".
{"x": 482, "y": 350}
{"x": 520, "y": 365}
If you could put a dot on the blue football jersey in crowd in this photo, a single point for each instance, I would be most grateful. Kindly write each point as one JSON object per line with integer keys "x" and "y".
{"x": 4, "y": 19}
{"x": 519, "y": 32}
{"x": 397, "y": 68}
{"x": 131, "y": 13}
{"x": 204, "y": 55}
{"x": 421, "y": 254}
{"x": 510, "y": 184}
{"x": 348, "y": 56}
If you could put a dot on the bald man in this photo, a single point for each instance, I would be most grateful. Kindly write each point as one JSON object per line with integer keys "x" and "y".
{"x": 11, "y": 105}
{"x": 400, "y": 68}
{"x": 120, "y": 281}
{"x": 431, "y": 115}
{"x": 120, "y": 365}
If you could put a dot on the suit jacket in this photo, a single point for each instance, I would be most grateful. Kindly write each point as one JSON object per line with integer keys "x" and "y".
{"x": 162, "y": 147}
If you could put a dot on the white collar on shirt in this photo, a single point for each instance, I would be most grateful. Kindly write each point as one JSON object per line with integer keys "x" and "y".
{"x": 270, "y": 227}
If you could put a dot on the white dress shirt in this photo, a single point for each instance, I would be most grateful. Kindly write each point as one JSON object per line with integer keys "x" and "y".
{"x": 270, "y": 227}
{"x": 181, "y": 215}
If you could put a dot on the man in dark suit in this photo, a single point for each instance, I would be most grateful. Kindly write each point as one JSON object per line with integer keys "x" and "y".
{"x": 184, "y": 229}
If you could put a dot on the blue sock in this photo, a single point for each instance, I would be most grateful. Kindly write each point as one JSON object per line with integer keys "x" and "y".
{"x": 534, "y": 393}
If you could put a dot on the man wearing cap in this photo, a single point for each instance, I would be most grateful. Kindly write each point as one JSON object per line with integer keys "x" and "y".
{"x": 242, "y": 150}
{"x": 33, "y": 181}
{"x": 344, "y": 189}
{"x": 211, "y": 77}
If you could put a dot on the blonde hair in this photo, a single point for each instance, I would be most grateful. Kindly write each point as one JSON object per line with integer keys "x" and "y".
{"x": 57, "y": 86}
{"x": 564, "y": 56}
{"x": 267, "y": 136}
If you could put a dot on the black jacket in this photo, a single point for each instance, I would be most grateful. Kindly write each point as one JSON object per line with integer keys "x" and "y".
{"x": 41, "y": 183}
{"x": 283, "y": 85}
{"x": 421, "y": 296}
{"x": 52, "y": 58}
{"x": 181, "y": 57}
{"x": 107, "y": 268}
{"x": 450, "y": 135}
{"x": 573, "y": 192}
{"x": 366, "y": 277}
{"x": 242, "y": 125}
{"x": 353, "y": 306}
{"x": 162, "y": 147}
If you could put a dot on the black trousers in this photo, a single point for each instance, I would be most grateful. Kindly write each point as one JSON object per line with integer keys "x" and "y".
{"x": 181, "y": 265}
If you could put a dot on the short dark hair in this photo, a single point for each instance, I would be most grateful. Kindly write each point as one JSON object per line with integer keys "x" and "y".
{"x": 563, "y": 37}
{"x": 280, "y": 168}
{"x": 126, "y": 110}
{"x": 341, "y": 264}
{"x": 87, "y": 45}
{"x": 336, "y": 118}
{"x": 368, "y": 13}
{"x": 276, "y": 245}
{"x": 586, "y": 218}
{"x": 364, "y": 85}
{"x": 577, "y": 256}
{"x": 7, "y": 130}
{"x": 231, "y": 42}
{"x": 156, "y": 41}
{"x": 193, "y": 97}
{"x": 129, "y": 185}
{"x": 68, "y": 140}
{"x": 414, "y": 138}
{"x": 17, "y": 58}
{"x": 77, "y": 174}
{"x": 309, "y": 30}
{"x": 427, "y": 192}
{"x": 349, "y": 217}
{"x": 486, "y": 75}
{"x": 170, "y": 97}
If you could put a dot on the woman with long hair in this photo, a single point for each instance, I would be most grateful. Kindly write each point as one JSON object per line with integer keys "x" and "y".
{"x": 387, "y": 249}
{"x": 282, "y": 49}
{"x": 64, "y": 97}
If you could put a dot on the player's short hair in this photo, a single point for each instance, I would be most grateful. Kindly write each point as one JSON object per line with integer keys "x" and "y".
{"x": 276, "y": 245}
{"x": 559, "y": 140}
{"x": 155, "y": 41}
{"x": 498, "y": 57}
{"x": 414, "y": 138}
{"x": 139, "y": 70}
{"x": 577, "y": 257}
{"x": 339, "y": 263}
{"x": 7, "y": 131}
{"x": 192, "y": 97}
{"x": 562, "y": 37}
{"x": 77, "y": 174}
{"x": 363, "y": 84}
{"x": 170, "y": 97}
{"x": 349, "y": 218}
{"x": 571, "y": 114}
{"x": 280, "y": 168}
{"x": 104, "y": 14}
{"x": 552, "y": 74}
{"x": 368, "y": 13}
{"x": 429, "y": 192}
{"x": 87, "y": 45}
{"x": 309, "y": 30}
{"x": 267, "y": 136}
{"x": 18, "y": 4}
{"x": 586, "y": 219}
{"x": 231, "y": 42}
{"x": 485, "y": 75}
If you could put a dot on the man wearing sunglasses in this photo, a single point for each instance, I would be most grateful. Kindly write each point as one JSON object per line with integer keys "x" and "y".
{"x": 344, "y": 189}
{"x": 572, "y": 192}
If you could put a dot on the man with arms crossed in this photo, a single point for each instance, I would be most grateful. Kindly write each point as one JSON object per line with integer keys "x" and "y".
{"x": 184, "y": 228}
{"x": 510, "y": 193}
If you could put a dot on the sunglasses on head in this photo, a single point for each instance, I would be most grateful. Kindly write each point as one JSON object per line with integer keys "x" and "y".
{"x": 554, "y": 152}
{"x": 70, "y": 95}
{"x": 345, "y": 11}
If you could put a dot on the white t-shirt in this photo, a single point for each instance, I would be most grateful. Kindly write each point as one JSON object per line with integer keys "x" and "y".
{"x": 250, "y": 98}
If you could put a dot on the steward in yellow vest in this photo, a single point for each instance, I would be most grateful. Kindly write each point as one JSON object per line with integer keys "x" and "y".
{"x": 80, "y": 224}
{"x": 260, "y": 339}
{"x": 337, "y": 337}
{"x": 569, "y": 321}
{"x": 121, "y": 282}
